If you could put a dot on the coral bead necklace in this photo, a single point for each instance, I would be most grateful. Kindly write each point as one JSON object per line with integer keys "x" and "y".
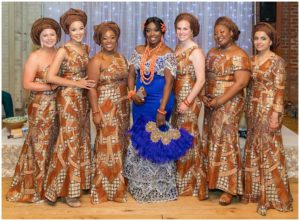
{"x": 148, "y": 78}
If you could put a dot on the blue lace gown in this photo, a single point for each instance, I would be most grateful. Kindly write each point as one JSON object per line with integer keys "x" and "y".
{"x": 147, "y": 181}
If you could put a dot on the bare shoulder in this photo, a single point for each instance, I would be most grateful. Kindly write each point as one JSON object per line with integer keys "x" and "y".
{"x": 212, "y": 51}
{"x": 166, "y": 49}
{"x": 140, "y": 49}
{"x": 240, "y": 52}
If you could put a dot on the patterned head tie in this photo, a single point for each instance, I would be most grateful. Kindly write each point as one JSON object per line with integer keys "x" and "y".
{"x": 70, "y": 16}
{"x": 41, "y": 24}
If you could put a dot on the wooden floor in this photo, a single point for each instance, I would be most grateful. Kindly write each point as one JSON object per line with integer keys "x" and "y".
{"x": 183, "y": 208}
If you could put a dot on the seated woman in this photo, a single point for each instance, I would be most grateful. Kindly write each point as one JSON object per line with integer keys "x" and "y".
{"x": 152, "y": 68}
{"x": 110, "y": 108}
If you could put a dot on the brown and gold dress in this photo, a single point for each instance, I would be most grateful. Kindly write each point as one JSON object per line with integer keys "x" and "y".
{"x": 266, "y": 180}
{"x": 28, "y": 183}
{"x": 220, "y": 130}
{"x": 111, "y": 140}
{"x": 70, "y": 165}
{"x": 191, "y": 171}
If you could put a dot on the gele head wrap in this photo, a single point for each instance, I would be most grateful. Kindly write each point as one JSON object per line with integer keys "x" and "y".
{"x": 70, "y": 16}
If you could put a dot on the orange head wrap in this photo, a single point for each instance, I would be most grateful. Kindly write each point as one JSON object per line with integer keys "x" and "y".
{"x": 44, "y": 23}
{"x": 70, "y": 16}
{"x": 99, "y": 30}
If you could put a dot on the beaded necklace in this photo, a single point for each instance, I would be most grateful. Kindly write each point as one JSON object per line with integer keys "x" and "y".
{"x": 147, "y": 53}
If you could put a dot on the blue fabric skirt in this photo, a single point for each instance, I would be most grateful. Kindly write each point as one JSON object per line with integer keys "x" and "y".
{"x": 148, "y": 181}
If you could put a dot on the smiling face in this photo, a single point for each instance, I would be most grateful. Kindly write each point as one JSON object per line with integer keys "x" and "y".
{"x": 184, "y": 31}
{"x": 153, "y": 35}
{"x": 262, "y": 41}
{"x": 109, "y": 41}
{"x": 223, "y": 36}
{"x": 48, "y": 38}
{"x": 77, "y": 31}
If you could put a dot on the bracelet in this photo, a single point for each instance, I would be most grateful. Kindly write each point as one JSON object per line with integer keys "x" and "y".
{"x": 130, "y": 94}
{"x": 162, "y": 112}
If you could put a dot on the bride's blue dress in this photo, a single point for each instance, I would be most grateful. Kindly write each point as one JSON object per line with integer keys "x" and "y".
{"x": 148, "y": 181}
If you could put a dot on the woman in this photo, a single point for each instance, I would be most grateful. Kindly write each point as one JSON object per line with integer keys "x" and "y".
{"x": 29, "y": 178}
{"x": 152, "y": 70}
{"x": 266, "y": 180}
{"x": 70, "y": 165}
{"x": 227, "y": 73}
{"x": 191, "y": 172}
{"x": 110, "y": 111}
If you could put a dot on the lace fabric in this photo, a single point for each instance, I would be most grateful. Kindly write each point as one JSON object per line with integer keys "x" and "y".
{"x": 147, "y": 181}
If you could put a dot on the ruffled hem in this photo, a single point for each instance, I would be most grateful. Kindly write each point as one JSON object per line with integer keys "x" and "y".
{"x": 158, "y": 152}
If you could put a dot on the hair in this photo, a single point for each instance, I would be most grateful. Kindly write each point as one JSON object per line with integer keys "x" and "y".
{"x": 269, "y": 30}
{"x": 194, "y": 22}
{"x": 158, "y": 23}
{"x": 230, "y": 25}
{"x": 71, "y": 16}
{"x": 99, "y": 30}
{"x": 41, "y": 24}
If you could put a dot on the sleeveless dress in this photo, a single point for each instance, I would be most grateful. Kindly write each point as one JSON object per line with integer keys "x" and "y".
{"x": 28, "y": 183}
{"x": 147, "y": 181}
{"x": 111, "y": 141}
{"x": 266, "y": 180}
{"x": 70, "y": 165}
{"x": 220, "y": 130}
{"x": 191, "y": 171}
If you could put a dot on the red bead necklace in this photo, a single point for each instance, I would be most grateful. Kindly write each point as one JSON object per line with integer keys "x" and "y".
{"x": 147, "y": 53}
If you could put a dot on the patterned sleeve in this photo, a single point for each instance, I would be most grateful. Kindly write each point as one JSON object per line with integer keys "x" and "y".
{"x": 241, "y": 63}
{"x": 279, "y": 86}
{"x": 171, "y": 63}
{"x": 133, "y": 58}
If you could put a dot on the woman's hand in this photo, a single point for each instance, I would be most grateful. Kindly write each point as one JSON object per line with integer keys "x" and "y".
{"x": 96, "y": 118}
{"x": 206, "y": 100}
{"x": 274, "y": 121}
{"x": 213, "y": 103}
{"x": 53, "y": 86}
{"x": 85, "y": 83}
{"x": 182, "y": 107}
{"x": 137, "y": 100}
{"x": 160, "y": 119}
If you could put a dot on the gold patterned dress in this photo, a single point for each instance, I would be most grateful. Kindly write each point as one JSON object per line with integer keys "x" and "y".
{"x": 266, "y": 180}
{"x": 108, "y": 182}
{"x": 220, "y": 130}
{"x": 28, "y": 183}
{"x": 70, "y": 165}
{"x": 191, "y": 171}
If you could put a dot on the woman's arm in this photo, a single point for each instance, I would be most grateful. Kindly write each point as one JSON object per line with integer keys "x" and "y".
{"x": 169, "y": 80}
{"x": 29, "y": 73}
{"x": 241, "y": 79}
{"x": 93, "y": 72}
{"x": 198, "y": 60}
{"x": 131, "y": 85}
{"x": 52, "y": 76}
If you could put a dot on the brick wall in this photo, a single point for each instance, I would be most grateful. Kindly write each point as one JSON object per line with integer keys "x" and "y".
{"x": 287, "y": 28}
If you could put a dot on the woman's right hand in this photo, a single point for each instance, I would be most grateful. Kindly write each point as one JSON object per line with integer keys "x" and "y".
{"x": 85, "y": 83}
{"x": 137, "y": 100}
{"x": 206, "y": 100}
{"x": 96, "y": 118}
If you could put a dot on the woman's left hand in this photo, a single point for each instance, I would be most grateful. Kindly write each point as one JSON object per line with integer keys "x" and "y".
{"x": 160, "y": 119}
{"x": 182, "y": 107}
{"x": 274, "y": 121}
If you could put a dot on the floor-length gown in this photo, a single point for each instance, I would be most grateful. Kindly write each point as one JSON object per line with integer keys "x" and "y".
{"x": 191, "y": 171}
{"x": 28, "y": 183}
{"x": 70, "y": 165}
{"x": 111, "y": 140}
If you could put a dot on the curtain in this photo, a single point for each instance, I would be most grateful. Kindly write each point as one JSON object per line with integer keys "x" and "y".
{"x": 131, "y": 15}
